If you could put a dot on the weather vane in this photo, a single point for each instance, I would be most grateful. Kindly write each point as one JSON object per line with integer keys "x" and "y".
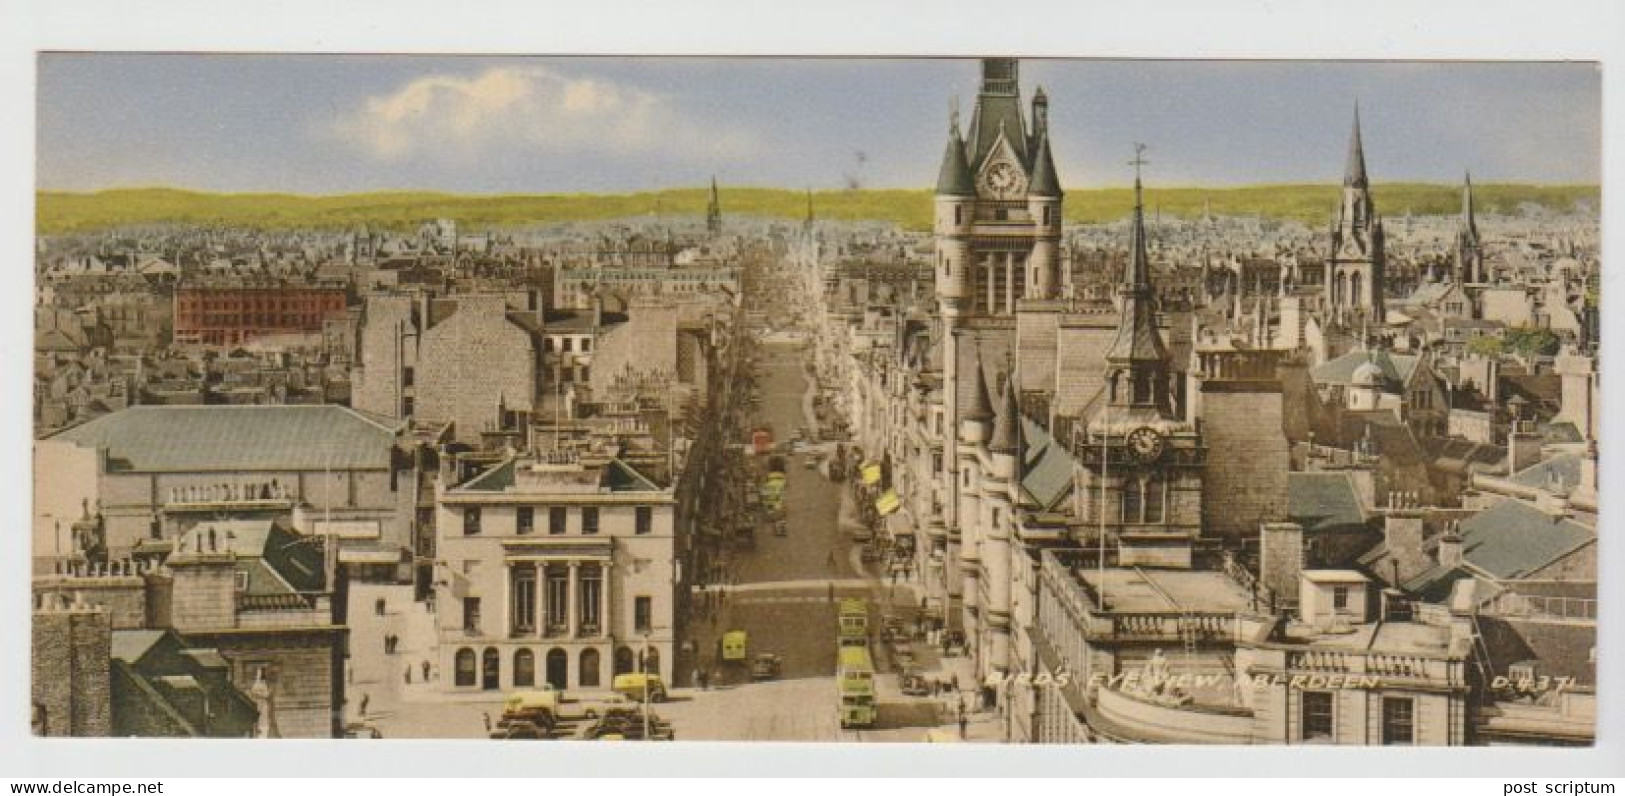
{"x": 1139, "y": 159}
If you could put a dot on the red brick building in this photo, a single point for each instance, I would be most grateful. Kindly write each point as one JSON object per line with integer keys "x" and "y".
{"x": 235, "y": 315}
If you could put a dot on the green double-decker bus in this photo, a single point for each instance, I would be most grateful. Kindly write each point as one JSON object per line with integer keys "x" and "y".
{"x": 855, "y": 686}
{"x": 854, "y": 623}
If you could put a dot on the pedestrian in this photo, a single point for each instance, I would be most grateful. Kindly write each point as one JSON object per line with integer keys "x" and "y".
{"x": 379, "y": 605}
{"x": 830, "y": 561}
{"x": 695, "y": 678}
{"x": 705, "y": 680}
{"x": 408, "y": 674}
{"x": 487, "y": 718}
{"x": 963, "y": 722}
{"x": 955, "y": 681}
{"x": 365, "y": 699}
{"x": 832, "y": 592}
{"x": 425, "y": 671}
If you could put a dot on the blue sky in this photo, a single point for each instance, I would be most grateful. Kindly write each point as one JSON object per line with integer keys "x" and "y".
{"x": 328, "y": 124}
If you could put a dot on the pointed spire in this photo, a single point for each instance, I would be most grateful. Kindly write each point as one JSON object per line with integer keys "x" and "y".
{"x": 1467, "y": 220}
{"x": 1137, "y": 337}
{"x": 955, "y": 178}
{"x": 1007, "y": 428}
{"x": 1354, "y": 173}
{"x": 1045, "y": 182}
{"x": 981, "y": 407}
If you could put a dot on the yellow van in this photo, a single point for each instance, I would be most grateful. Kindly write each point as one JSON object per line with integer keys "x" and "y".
{"x": 733, "y": 645}
{"x": 632, "y": 685}
{"x": 541, "y": 707}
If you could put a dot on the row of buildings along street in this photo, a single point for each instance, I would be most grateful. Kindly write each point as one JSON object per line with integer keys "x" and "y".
{"x": 1222, "y": 480}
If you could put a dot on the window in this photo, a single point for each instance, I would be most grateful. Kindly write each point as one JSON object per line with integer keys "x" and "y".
{"x": 242, "y": 580}
{"x": 471, "y": 615}
{"x": 471, "y": 521}
{"x": 589, "y": 520}
{"x": 1340, "y": 597}
{"x": 569, "y": 344}
{"x": 526, "y": 520}
{"x": 408, "y": 376}
{"x": 645, "y": 519}
{"x": 524, "y": 669}
{"x": 524, "y": 599}
{"x": 407, "y": 405}
{"x": 589, "y": 674}
{"x": 959, "y": 214}
{"x": 465, "y": 667}
{"x": 558, "y": 595}
{"x": 556, "y": 519}
{"x": 592, "y": 585}
{"x": 643, "y": 614}
{"x": 1317, "y": 716}
{"x": 1398, "y": 721}
{"x": 586, "y": 345}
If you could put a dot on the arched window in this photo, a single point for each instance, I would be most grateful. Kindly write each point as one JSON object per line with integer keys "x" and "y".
{"x": 590, "y": 666}
{"x": 465, "y": 667}
{"x": 524, "y": 669}
{"x": 1144, "y": 499}
{"x": 558, "y": 668}
{"x": 490, "y": 669}
{"x": 1356, "y": 294}
{"x": 623, "y": 660}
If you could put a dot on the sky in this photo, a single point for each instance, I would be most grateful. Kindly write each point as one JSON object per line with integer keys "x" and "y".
{"x": 337, "y": 123}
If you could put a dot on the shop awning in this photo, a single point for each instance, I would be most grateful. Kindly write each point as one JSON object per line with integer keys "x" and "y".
{"x": 888, "y": 502}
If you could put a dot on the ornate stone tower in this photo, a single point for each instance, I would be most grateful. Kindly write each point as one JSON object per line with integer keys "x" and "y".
{"x": 998, "y": 222}
{"x": 1140, "y": 463}
{"x": 1354, "y": 269}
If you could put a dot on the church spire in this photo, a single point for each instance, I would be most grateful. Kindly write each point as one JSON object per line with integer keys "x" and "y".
{"x": 1137, "y": 337}
{"x": 1469, "y": 224}
{"x": 954, "y": 178}
{"x": 713, "y": 210}
{"x": 1354, "y": 173}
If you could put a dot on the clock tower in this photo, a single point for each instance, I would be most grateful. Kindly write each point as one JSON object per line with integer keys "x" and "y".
{"x": 1140, "y": 464}
{"x": 998, "y": 235}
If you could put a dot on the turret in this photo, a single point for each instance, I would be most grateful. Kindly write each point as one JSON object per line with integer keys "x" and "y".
{"x": 955, "y": 212}
{"x": 1044, "y": 204}
{"x": 976, "y": 427}
{"x": 1005, "y": 443}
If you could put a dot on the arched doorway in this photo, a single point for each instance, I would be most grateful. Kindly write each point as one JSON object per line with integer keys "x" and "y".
{"x": 490, "y": 669}
{"x": 589, "y": 670}
{"x": 465, "y": 667}
{"x": 558, "y": 668}
{"x": 524, "y": 669}
{"x": 623, "y": 660}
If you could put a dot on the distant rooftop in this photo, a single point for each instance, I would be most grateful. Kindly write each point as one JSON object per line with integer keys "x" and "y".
{"x": 239, "y": 438}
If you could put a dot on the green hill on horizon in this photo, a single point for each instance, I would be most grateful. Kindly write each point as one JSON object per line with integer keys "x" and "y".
{"x": 61, "y": 212}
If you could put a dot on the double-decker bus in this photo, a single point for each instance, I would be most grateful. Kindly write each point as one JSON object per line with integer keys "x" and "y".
{"x": 855, "y": 686}
{"x": 854, "y": 623}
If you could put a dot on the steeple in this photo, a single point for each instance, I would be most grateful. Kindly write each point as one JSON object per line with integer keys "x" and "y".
{"x": 1138, "y": 343}
{"x": 713, "y": 211}
{"x": 1354, "y": 172}
{"x": 1468, "y": 223}
{"x": 998, "y": 109}
{"x": 954, "y": 178}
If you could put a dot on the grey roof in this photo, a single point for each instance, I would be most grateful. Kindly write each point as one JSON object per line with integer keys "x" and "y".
{"x": 239, "y": 438}
{"x": 1512, "y": 538}
{"x": 132, "y": 645}
{"x": 982, "y": 406}
{"x": 955, "y": 178}
{"x": 1323, "y": 501}
{"x": 1565, "y": 467}
{"x": 1397, "y": 369}
{"x": 1047, "y": 469}
{"x": 1137, "y": 337}
{"x": 1045, "y": 181}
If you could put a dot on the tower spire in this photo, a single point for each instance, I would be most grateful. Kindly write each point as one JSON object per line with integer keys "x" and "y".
{"x": 1137, "y": 339}
{"x": 1467, "y": 219}
{"x": 1354, "y": 173}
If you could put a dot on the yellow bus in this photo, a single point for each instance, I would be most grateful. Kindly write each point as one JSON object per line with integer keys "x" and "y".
{"x": 854, "y": 623}
{"x": 855, "y": 686}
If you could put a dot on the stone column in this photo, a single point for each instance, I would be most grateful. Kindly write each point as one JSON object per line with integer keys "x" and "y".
{"x": 603, "y": 599}
{"x": 572, "y": 600}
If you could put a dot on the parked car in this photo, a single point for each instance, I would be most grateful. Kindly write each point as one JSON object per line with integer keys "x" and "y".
{"x": 765, "y": 666}
{"x": 632, "y": 685}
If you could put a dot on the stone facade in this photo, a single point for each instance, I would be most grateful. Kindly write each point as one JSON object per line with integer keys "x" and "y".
{"x": 72, "y": 686}
{"x": 472, "y": 364}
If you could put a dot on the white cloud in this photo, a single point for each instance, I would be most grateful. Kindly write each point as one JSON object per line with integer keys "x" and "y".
{"x": 534, "y": 110}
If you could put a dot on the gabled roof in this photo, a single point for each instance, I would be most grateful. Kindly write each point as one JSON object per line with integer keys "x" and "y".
{"x": 1324, "y": 501}
{"x": 239, "y": 438}
{"x": 1397, "y": 369}
{"x": 1512, "y": 539}
{"x": 1047, "y": 469}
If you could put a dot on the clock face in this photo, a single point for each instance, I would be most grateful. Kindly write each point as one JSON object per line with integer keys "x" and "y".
{"x": 1145, "y": 444}
{"x": 1004, "y": 181}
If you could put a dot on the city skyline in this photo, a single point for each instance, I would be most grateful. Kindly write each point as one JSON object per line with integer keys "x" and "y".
{"x": 342, "y": 124}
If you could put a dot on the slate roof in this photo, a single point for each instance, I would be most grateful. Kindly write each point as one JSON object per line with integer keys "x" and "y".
{"x": 1045, "y": 181}
{"x": 1565, "y": 466}
{"x": 1324, "y": 501}
{"x": 239, "y": 438}
{"x": 1512, "y": 538}
{"x": 1397, "y": 369}
{"x": 1047, "y": 466}
{"x": 955, "y": 178}
{"x": 131, "y": 646}
{"x": 277, "y": 560}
